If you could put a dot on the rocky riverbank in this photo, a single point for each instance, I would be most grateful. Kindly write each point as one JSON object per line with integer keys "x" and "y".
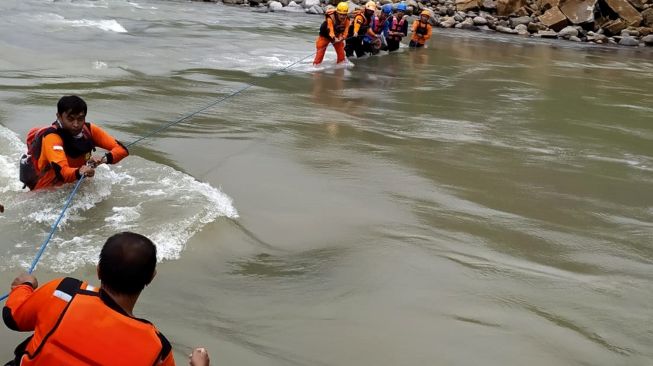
{"x": 622, "y": 22}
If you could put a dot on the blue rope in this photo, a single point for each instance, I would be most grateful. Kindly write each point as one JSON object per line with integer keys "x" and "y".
{"x": 79, "y": 182}
{"x": 218, "y": 101}
{"x": 52, "y": 230}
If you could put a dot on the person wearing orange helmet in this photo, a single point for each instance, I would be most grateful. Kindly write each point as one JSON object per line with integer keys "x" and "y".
{"x": 360, "y": 27}
{"x": 333, "y": 30}
{"x": 421, "y": 30}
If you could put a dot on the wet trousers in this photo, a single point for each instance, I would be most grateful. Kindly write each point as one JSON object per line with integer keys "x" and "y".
{"x": 393, "y": 45}
{"x": 415, "y": 44}
{"x": 322, "y": 43}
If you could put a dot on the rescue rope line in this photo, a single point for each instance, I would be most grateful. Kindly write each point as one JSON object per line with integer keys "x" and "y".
{"x": 52, "y": 230}
{"x": 218, "y": 101}
{"x": 167, "y": 125}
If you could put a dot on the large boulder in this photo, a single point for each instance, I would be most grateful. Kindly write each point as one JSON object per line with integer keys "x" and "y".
{"x": 638, "y": 4}
{"x": 310, "y": 3}
{"x": 275, "y": 5}
{"x": 507, "y": 7}
{"x": 466, "y": 5}
{"x": 567, "y": 32}
{"x": 447, "y": 22}
{"x": 613, "y": 27}
{"x": 547, "y": 4}
{"x": 579, "y": 11}
{"x": 625, "y": 11}
{"x": 489, "y": 5}
{"x": 521, "y": 20}
{"x": 554, "y": 19}
{"x": 629, "y": 41}
{"x": 648, "y": 17}
{"x": 315, "y": 9}
{"x": 648, "y": 40}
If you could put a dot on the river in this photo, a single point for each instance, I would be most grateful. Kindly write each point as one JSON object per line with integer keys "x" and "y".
{"x": 484, "y": 201}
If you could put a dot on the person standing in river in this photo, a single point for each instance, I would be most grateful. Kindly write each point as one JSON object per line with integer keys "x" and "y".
{"x": 359, "y": 29}
{"x": 398, "y": 28}
{"x": 421, "y": 30}
{"x": 333, "y": 31}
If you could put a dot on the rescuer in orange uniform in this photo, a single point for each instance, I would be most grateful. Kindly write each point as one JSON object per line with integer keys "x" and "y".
{"x": 76, "y": 324}
{"x": 421, "y": 30}
{"x": 333, "y": 30}
{"x": 61, "y": 153}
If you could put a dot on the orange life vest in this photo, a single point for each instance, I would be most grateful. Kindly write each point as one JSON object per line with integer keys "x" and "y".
{"x": 93, "y": 330}
{"x": 29, "y": 174}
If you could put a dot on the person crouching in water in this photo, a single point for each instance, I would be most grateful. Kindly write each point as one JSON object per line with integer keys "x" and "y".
{"x": 360, "y": 28}
{"x": 333, "y": 30}
{"x": 398, "y": 28}
{"x": 421, "y": 30}
{"x": 380, "y": 27}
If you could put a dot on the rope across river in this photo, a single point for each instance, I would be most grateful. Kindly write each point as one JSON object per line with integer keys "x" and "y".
{"x": 44, "y": 245}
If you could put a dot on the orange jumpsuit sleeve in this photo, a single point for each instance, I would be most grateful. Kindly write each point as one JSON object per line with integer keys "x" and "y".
{"x": 24, "y": 303}
{"x": 332, "y": 32}
{"x": 413, "y": 27}
{"x": 358, "y": 20}
{"x": 52, "y": 152}
{"x": 102, "y": 139}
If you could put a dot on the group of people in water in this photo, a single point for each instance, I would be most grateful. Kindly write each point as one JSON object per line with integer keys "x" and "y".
{"x": 74, "y": 323}
{"x": 369, "y": 31}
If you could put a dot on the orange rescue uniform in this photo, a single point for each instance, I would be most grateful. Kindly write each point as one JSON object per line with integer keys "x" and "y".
{"x": 59, "y": 167}
{"x": 74, "y": 324}
{"x": 329, "y": 31}
{"x": 421, "y": 32}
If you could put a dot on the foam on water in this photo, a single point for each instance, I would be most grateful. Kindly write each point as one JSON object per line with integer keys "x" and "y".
{"x": 109, "y": 25}
{"x": 137, "y": 195}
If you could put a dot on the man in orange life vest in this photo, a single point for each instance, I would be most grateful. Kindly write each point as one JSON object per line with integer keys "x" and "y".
{"x": 333, "y": 30}
{"x": 76, "y": 324}
{"x": 421, "y": 30}
{"x": 61, "y": 153}
{"x": 360, "y": 28}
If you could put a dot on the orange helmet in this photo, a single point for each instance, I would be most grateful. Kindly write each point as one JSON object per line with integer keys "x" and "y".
{"x": 370, "y": 5}
{"x": 342, "y": 8}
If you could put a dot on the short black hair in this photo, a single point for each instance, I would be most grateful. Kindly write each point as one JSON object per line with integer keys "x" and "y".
{"x": 71, "y": 104}
{"x": 127, "y": 263}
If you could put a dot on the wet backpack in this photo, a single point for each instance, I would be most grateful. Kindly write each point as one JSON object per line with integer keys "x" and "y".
{"x": 28, "y": 172}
